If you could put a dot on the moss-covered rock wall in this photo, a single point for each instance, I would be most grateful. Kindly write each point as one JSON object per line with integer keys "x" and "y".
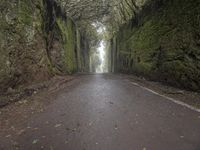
{"x": 37, "y": 40}
{"x": 84, "y": 59}
{"x": 61, "y": 39}
{"x": 163, "y": 43}
{"x": 23, "y": 50}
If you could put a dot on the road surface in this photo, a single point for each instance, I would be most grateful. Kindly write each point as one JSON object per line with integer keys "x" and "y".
{"x": 106, "y": 112}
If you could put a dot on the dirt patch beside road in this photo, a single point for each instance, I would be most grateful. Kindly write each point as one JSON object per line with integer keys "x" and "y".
{"x": 14, "y": 95}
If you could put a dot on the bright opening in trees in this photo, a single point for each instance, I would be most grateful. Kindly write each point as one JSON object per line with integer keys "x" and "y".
{"x": 99, "y": 52}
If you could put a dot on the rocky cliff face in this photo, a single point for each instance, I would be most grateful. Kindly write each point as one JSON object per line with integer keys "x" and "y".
{"x": 162, "y": 43}
{"x": 37, "y": 40}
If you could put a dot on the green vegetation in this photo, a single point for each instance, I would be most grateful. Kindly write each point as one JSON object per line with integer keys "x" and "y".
{"x": 68, "y": 34}
{"x": 37, "y": 41}
{"x": 158, "y": 39}
{"x": 164, "y": 45}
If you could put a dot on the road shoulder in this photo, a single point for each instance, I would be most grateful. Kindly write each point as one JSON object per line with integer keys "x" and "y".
{"x": 175, "y": 94}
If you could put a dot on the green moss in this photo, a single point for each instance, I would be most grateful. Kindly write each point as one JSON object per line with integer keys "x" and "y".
{"x": 33, "y": 47}
{"x": 78, "y": 46}
{"x": 68, "y": 33}
{"x": 23, "y": 57}
{"x": 165, "y": 44}
{"x": 25, "y": 12}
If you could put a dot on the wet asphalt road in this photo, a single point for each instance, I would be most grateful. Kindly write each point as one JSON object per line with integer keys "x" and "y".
{"x": 107, "y": 112}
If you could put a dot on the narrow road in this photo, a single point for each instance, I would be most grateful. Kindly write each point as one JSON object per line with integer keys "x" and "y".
{"x": 107, "y": 112}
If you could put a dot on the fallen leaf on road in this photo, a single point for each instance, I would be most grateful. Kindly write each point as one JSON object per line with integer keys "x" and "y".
{"x": 35, "y": 141}
{"x": 57, "y": 125}
{"x": 15, "y": 144}
{"x": 35, "y": 128}
{"x": 68, "y": 129}
{"x": 21, "y": 131}
{"x": 7, "y": 136}
{"x": 12, "y": 127}
{"x": 66, "y": 142}
{"x": 24, "y": 101}
{"x": 144, "y": 148}
{"x": 74, "y": 130}
{"x": 111, "y": 103}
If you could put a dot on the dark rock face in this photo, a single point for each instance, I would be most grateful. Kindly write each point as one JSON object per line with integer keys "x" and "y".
{"x": 37, "y": 40}
{"x": 23, "y": 50}
{"x": 61, "y": 39}
{"x": 163, "y": 43}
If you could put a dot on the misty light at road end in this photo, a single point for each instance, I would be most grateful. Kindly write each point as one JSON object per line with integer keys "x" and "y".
{"x": 102, "y": 56}
{"x": 99, "y": 58}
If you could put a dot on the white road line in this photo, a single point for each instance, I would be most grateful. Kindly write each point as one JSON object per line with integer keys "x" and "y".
{"x": 168, "y": 98}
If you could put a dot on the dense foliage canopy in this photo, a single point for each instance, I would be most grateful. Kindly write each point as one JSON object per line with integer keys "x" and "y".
{"x": 109, "y": 12}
